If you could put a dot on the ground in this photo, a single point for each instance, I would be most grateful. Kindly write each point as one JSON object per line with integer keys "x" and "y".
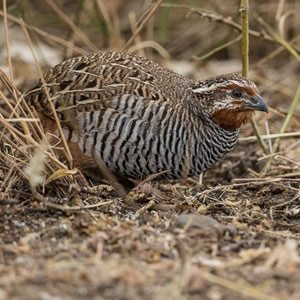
{"x": 224, "y": 239}
{"x": 235, "y": 234}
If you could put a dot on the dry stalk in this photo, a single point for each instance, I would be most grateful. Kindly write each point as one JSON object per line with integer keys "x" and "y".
{"x": 112, "y": 23}
{"x": 133, "y": 26}
{"x": 286, "y": 122}
{"x": 271, "y": 136}
{"x": 151, "y": 44}
{"x": 6, "y": 35}
{"x": 217, "y": 49}
{"x": 65, "y": 208}
{"x": 218, "y": 18}
{"x": 279, "y": 39}
{"x": 25, "y": 141}
{"x": 16, "y": 138}
{"x": 47, "y": 36}
{"x": 83, "y": 37}
{"x": 244, "y": 7}
{"x": 65, "y": 144}
{"x": 272, "y": 54}
{"x": 146, "y": 17}
{"x": 239, "y": 287}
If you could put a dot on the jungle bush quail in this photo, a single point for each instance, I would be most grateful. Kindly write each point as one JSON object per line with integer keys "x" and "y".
{"x": 140, "y": 118}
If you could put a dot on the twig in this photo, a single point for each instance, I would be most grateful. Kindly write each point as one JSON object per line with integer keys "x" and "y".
{"x": 284, "y": 203}
{"x": 289, "y": 175}
{"x": 271, "y": 136}
{"x": 262, "y": 181}
{"x": 10, "y": 86}
{"x": 66, "y": 208}
{"x": 288, "y": 160}
{"x": 238, "y": 287}
{"x": 258, "y": 136}
{"x": 22, "y": 120}
{"x": 140, "y": 211}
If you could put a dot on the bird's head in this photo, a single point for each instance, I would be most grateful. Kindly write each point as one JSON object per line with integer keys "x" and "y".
{"x": 230, "y": 100}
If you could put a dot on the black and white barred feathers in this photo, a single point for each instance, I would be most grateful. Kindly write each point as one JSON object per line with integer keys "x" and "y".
{"x": 140, "y": 118}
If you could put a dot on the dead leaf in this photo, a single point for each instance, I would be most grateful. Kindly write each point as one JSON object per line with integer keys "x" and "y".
{"x": 61, "y": 173}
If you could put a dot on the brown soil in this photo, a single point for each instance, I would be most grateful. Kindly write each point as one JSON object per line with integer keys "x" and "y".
{"x": 178, "y": 241}
{"x": 236, "y": 236}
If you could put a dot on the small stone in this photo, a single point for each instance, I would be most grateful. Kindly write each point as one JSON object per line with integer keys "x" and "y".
{"x": 205, "y": 223}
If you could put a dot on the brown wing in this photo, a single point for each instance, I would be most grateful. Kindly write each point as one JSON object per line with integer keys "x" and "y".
{"x": 89, "y": 83}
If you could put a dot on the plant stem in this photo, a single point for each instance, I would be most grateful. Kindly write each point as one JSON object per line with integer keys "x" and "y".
{"x": 244, "y": 8}
{"x": 287, "y": 120}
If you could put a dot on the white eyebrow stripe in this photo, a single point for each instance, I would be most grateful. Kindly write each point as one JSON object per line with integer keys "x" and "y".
{"x": 238, "y": 83}
{"x": 204, "y": 89}
{"x": 250, "y": 85}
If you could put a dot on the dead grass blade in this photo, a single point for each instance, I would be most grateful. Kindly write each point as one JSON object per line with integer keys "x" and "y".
{"x": 239, "y": 287}
{"x": 83, "y": 37}
{"x": 47, "y": 36}
{"x": 271, "y": 136}
{"x": 65, "y": 144}
{"x": 278, "y": 38}
{"x": 146, "y": 17}
{"x": 150, "y": 44}
{"x": 244, "y": 8}
{"x": 112, "y": 22}
{"x": 6, "y": 35}
{"x": 219, "y": 48}
{"x": 286, "y": 122}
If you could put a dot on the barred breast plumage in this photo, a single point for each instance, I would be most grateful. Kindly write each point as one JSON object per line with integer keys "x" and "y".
{"x": 140, "y": 118}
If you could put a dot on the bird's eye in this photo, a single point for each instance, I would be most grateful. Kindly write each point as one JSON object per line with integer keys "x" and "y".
{"x": 236, "y": 93}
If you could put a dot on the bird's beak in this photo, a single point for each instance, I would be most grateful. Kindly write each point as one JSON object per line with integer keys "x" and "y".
{"x": 257, "y": 103}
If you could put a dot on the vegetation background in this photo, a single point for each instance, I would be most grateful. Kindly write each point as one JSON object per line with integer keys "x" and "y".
{"x": 72, "y": 241}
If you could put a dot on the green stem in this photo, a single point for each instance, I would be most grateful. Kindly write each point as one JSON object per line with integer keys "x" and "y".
{"x": 244, "y": 8}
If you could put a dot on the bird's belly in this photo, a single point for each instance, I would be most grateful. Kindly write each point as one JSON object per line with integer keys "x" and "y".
{"x": 135, "y": 148}
{"x": 149, "y": 155}
{"x": 211, "y": 151}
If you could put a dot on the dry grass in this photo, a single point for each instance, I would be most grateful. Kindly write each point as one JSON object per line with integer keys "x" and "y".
{"x": 84, "y": 239}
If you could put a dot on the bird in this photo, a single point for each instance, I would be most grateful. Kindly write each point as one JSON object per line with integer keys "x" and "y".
{"x": 140, "y": 118}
